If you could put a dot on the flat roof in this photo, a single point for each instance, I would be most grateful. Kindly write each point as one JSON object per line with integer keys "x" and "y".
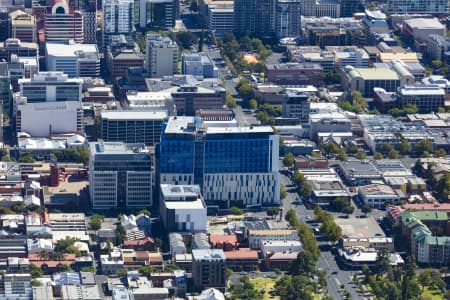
{"x": 376, "y": 73}
{"x": 133, "y": 115}
{"x": 359, "y": 227}
{"x": 55, "y": 49}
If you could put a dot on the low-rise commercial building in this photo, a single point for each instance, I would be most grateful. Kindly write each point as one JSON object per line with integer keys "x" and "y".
{"x": 182, "y": 208}
{"x": 295, "y": 74}
{"x": 377, "y": 195}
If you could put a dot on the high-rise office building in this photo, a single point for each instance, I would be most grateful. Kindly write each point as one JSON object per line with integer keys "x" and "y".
{"x": 120, "y": 175}
{"x": 89, "y": 10}
{"x": 50, "y": 87}
{"x": 23, "y": 26}
{"x": 75, "y": 60}
{"x": 418, "y": 6}
{"x": 48, "y": 103}
{"x": 118, "y": 19}
{"x": 208, "y": 269}
{"x": 232, "y": 165}
{"x": 161, "y": 56}
{"x": 288, "y": 18}
{"x": 132, "y": 126}
{"x": 158, "y": 14}
{"x": 63, "y": 24}
{"x": 350, "y": 7}
{"x": 255, "y": 17}
{"x": 308, "y": 8}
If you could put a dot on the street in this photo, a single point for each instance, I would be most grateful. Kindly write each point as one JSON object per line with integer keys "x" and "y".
{"x": 327, "y": 262}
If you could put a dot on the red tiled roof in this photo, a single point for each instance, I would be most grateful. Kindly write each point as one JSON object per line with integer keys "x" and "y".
{"x": 223, "y": 238}
{"x": 138, "y": 242}
{"x": 243, "y": 253}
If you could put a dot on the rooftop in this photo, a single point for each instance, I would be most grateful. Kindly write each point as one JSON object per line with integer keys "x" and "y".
{"x": 208, "y": 254}
{"x": 377, "y": 189}
{"x": 359, "y": 227}
{"x": 424, "y": 23}
{"x": 133, "y": 115}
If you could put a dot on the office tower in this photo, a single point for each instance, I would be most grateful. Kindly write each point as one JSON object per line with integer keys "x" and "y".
{"x": 50, "y": 87}
{"x": 132, "y": 126}
{"x": 208, "y": 269}
{"x": 417, "y": 6}
{"x": 4, "y": 22}
{"x": 120, "y": 175}
{"x": 89, "y": 10}
{"x": 161, "y": 56}
{"x": 118, "y": 19}
{"x": 350, "y": 7}
{"x": 255, "y": 17}
{"x": 308, "y": 8}
{"x": 232, "y": 165}
{"x": 218, "y": 16}
{"x": 158, "y": 14}
{"x": 63, "y": 24}
{"x": 5, "y": 87}
{"x": 296, "y": 105}
{"x": 49, "y": 103}
{"x": 288, "y": 18}
{"x": 75, "y": 60}
{"x": 23, "y": 26}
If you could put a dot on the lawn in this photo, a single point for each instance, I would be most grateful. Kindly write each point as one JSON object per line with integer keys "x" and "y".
{"x": 265, "y": 284}
{"x": 433, "y": 294}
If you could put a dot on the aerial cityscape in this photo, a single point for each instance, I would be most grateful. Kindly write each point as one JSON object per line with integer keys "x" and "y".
{"x": 225, "y": 149}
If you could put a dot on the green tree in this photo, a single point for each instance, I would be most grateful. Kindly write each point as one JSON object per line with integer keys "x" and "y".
{"x": 147, "y": 270}
{"x": 184, "y": 39}
{"x": 273, "y": 211}
{"x": 365, "y": 209}
{"x": 377, "y": 156}
{"x": 283, "y": 193}
{"x": 341, "y": 155}
{"x": 440, "y": 153}
{"x": 348, "y": 210}
{"x": 361, "y": 155}
{"x": 436, "y": 63}
{"x": 236, "y": 211}
{"x": 289, "y": 160}
{"x": 294, "y": 288}
{"x": 404, "y": 147}
{"x": 35, "y": 282}
{"x": 229, "y": 101}
{"x": 393, "y": 154}
{"x": 246, "y": 290}
{"x": 121, "y": 272}
{"x": 26, "y": 157}
{"x": 35, "y": 271}
{"x": 304, "y": 264}
{"x": 291, "y": 217}
{"x": 63, "y": 268}
{"x": 306, "y": 191}
{"x": 422, "y": 146}
{"x": 95, "y": 222}
{"x": 253, "y": 104}
{"x": 144, "y": 211}
{"x": 382, "y": 264}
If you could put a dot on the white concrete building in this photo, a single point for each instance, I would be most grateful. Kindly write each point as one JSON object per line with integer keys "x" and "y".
{"x": 111, "y": 263}
{"x": 281, "y": 246}
{"x": 154, "y": 101}
{"x": 46, "y": 118}
{"x": 161, "y": 56}
{"x": 63, "y": 24}
{"x": 376, "y": 195}
{"x": 50, "y": 87}
{"x": 75, "y": 60}
{"x": 182, "y": 208}
{"x": 257, "y": 237}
